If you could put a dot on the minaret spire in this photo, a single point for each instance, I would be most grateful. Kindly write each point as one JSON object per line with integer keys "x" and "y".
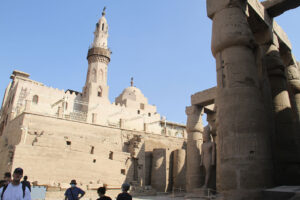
{"x": 103, "y": 12}
{"x": 96, "y": 88}
{"x": 101, "y": 32}
{"x": 131, "y": 82}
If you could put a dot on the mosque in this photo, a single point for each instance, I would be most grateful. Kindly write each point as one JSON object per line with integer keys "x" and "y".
{"x": 58, "y": 135}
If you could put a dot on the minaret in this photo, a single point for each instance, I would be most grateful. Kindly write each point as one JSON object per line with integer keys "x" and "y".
{"x": 96, "y": 88}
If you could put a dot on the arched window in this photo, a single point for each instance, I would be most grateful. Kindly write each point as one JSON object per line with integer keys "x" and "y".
{"x": 103, "y": 27}
{"x": 94, "y": 75}
{"x": 35, "y": 99}
{"x": 99, "y": 92}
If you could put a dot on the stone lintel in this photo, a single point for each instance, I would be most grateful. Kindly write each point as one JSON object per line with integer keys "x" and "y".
{"x": 205, "y": 97}
{"x": 277, "y": 7}
{"x": 282, "y": 36}
{"x": 263, "y": 17}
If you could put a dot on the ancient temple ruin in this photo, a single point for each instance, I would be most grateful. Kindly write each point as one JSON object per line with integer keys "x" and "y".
{"x": 253, "y": 112}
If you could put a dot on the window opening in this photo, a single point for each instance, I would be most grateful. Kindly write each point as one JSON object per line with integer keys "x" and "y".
{"x": 111, "y": 155}
{"x": 99, "y": 92}
{"x": 92, "y": 149}
{"x": 68, "y": 142}
{"x": 35, "y": 99}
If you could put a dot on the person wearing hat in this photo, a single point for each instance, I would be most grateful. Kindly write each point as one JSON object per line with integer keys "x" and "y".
{"x": 124, "y": 195}
{"x": 15, "y": 189}
{"x": 73, "y": 192}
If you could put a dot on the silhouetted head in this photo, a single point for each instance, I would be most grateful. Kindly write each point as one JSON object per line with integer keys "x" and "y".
{"x": 7, "y": 176}
{"x": 25, "y": 178}
{"x": 101, "y": 191}
{"x": 125, "y": 187}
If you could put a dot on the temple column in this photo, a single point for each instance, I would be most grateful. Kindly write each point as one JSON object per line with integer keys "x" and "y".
{"x": 244, "y": 161}
{"x": 194, "y": 134}
{"x": 285, "y": 140}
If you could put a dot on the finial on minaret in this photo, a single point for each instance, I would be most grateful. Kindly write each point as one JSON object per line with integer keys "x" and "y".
{"x": 103, "y": 12}
{"x": 131, "y": 82}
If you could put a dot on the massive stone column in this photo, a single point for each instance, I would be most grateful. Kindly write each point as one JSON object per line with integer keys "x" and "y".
{"x": 194, "y": 130}
{"x": 179, "y": 170}
{"x": 159, "y": 165}
{"x": 244, "y": 161}
{"x": 293, "y": 79}
{"x": 285, "y": 140}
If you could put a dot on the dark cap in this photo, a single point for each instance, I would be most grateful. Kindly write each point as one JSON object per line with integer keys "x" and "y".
{"x": 73, "y": 182}
{"x": 18, "y": 171}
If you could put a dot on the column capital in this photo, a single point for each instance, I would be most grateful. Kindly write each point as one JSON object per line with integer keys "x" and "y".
{"x": 194, "y": 120}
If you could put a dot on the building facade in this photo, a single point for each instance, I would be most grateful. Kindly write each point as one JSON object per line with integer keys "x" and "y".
{"x": 58, "y": 135}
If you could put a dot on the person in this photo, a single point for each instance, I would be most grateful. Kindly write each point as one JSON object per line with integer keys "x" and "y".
{"x": 15, "y": 189}
{"x": 101, "y": 192}
{"x": 124, "y": 195}
{"x": 74, "y": 193}
{"x": 26, "y": 183}
{"x": 6, "y": 180}
{"x": 2, "y": 183}
{"x": 7, "y": 177}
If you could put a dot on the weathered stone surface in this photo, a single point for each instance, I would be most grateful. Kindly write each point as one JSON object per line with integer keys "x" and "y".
{"x": 205, "y": 97}
{"x": 243, "y": 133}
{"x": 266, "y": 21}
{"x": 179, "y": 170}
{"x": 159, "y": 168}
{"x": 277, "y": 7}
{"x": 194, "y": 130}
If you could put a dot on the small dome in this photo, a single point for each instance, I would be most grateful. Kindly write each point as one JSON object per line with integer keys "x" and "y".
{"x": 131, "y": 93}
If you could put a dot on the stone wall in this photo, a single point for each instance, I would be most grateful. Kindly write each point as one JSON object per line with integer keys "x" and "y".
{"x": 53, "y": 151}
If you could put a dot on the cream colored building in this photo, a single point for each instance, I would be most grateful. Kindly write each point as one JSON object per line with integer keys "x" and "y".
{"x": 58, "y": 135}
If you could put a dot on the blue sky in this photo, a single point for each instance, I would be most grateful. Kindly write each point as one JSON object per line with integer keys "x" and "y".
{"x": 164, "y": 45}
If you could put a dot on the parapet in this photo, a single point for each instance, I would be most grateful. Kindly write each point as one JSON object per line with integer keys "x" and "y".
{"x": 20, "y": 74}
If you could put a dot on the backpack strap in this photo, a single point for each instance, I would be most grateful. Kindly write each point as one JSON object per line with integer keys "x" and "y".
{"x": 4, "y": 188}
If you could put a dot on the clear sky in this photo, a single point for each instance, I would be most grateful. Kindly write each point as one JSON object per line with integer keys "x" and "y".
{"x": 163, "y": 44}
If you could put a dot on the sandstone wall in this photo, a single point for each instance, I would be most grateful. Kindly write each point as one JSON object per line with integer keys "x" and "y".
{"x": 53, "y": 151}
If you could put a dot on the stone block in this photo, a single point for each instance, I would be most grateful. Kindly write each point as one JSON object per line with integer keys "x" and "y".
{"x": 277, "y": 7}
{"x": 205, "y": 97}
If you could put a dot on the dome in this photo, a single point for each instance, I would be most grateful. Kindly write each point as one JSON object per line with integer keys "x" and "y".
{"x": 131, "y": 93}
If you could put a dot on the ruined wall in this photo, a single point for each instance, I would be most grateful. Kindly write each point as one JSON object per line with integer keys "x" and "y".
{"x": 53, "y": 151}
